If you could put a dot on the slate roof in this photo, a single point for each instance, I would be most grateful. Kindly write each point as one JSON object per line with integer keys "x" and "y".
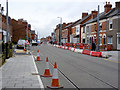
{"x": 112, "y": 12}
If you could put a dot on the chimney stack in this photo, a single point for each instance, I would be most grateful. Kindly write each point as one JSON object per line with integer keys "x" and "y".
{"x": 107, "y": 7}
{"x": 84, "y": 15}
{"x": 93, "y": 14}
{"x": 117, "y": 5}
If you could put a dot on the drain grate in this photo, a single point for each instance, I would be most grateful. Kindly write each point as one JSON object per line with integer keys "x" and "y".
{"x": 35, "y": 73}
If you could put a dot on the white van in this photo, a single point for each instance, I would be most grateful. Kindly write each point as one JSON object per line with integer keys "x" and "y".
{"x": 20, "y": 43}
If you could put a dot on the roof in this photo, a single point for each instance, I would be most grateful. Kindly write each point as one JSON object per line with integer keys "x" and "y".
{"x": 67, "y": 26}
{"x": 101, "y": 16}
{"x": 82, "y": 20}
{"x": 112, "y": 12}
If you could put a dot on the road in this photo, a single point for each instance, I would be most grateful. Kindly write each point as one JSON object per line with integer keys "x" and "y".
{"x": 78, "y": 70}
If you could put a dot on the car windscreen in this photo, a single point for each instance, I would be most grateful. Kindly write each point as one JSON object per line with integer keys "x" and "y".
{"x": 21, "y": 41}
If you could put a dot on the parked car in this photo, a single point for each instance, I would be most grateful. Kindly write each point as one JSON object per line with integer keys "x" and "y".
{"x": 34, "y": 43}
{"x": 20, "y": 43}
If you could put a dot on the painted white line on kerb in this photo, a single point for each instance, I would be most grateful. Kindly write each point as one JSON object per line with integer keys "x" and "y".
{"x": 40, "y": 81}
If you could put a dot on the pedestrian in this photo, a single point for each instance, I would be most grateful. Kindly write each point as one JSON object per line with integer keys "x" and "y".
{"x": 93, "y": 46}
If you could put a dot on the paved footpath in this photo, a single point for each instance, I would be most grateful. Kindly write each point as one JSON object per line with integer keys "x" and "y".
{"x": 18, "y": 72}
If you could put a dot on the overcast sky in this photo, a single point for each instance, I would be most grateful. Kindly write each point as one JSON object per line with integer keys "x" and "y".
{"x": 42, "y": 14}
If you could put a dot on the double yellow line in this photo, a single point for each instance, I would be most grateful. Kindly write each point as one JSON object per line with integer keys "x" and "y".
{"x": 112, "y": 61}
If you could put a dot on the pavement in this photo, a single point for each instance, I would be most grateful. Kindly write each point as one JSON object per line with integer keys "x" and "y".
{"x": 114, "y": 56}
{"x": 19, "y": 73}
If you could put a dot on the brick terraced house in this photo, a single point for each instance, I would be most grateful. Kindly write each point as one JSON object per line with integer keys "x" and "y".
{"x": 20, "y": 30}
{"x": 84, "y": 31}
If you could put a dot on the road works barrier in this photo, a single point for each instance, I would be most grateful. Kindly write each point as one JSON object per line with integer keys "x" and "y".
{"x": 47, "y": 70}
{"x": 69, "y": 48}
{"x": 87, "y": 52}
{"x": 79, "y": 51}
{"x": 72, "y": 49}
{"x": 62, "y": 47}
{"x": 55, "y": 80}
{"x": 96, "y": 54}
{"x": 66, "y": 47}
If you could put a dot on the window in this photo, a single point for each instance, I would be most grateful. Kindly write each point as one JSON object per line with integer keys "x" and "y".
{"x": 118, "y": 40}
{"x": 83, "y": 40}
{"x": 95, "y": 27}
{"x": 109, "y": 40}
{"x": 77, "y": 29}
{"x": 84, "y": 29}
{"x": 87, "y": 40}
{"x": 110, "y": 25}
{"x": 90, "y": 40}
{"x": 100, "y": 26}
{"x": 87, "y": 29}
{"x": 100, "y": 40}
{"x": 104, "y": 40}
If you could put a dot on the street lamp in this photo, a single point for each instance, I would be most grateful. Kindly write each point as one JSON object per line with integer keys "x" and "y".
{"x": 7, "y": 22}
{"x": 60, "y": 30}
{"x": 97, "y": 48}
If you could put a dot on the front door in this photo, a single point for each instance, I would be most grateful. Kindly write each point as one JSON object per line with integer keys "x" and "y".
{"x": 118, "y": 42}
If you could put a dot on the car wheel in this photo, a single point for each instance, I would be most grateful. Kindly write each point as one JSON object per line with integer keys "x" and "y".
{"x": 17, "y": 47}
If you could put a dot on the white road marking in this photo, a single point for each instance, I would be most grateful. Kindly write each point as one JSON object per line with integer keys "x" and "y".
{"x": 40, "y": 81}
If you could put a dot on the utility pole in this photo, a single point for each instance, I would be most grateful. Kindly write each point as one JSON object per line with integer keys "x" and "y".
{"x": 60, "y": 30}
{"x": 27, "y": 31}
{"x": 37, "y": 35}
{"x": 7, "y": 21}
{"x": 97, "y": 48}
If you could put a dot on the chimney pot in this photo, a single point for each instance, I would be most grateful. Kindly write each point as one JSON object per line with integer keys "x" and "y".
{"x": 107, "y": 7}
{"x": 117, "y": 5}
{"x": 93, "y": 14}
{"x": 106, "y": 2}
{"x": 84, "y": 14}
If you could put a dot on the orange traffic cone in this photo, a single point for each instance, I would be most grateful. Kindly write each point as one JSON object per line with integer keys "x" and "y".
{"x": 24, "y": 48}
{"x": 47, "y": 70}
{"x": 74, "y": 48}
{"x": 38, "y": 57}
{"x": 55, "y": 80}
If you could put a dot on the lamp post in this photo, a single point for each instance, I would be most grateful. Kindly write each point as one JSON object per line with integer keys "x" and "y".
{"x": 7, "y": 21}
{"x": 60, "y": 30}
{"x": 27, "y": 31}
{"x": 97, "y": 48}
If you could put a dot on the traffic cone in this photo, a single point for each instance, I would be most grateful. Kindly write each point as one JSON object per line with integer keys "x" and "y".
{"x": 38, "y": 57}
{"x": 24, "y": 48}
{"x": 47, "y": 70}
{"x": 55, "y": 80}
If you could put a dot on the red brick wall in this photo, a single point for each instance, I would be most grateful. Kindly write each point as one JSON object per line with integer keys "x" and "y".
{"x": 104, "y": 26}
{"x": 32, "y": 36}
{"x": 19, "y": 30}
{"x": 64, "y": 33}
